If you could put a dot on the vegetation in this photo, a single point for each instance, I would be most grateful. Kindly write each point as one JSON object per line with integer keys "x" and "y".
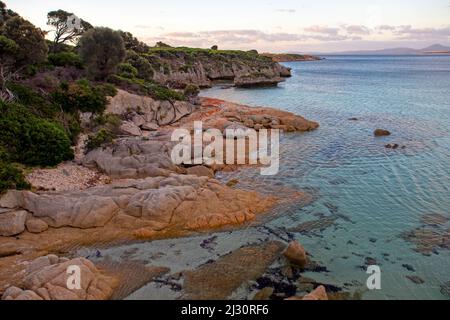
{"x": 11, "y": 177}
{"x": 102, "y": 49}
{"x": 81, "y": 96}
{"x": 65, "y": 59}
{"x": 96, "y": 140}
{"x": 67, "y": 28}
{"x": 31, "y": 140}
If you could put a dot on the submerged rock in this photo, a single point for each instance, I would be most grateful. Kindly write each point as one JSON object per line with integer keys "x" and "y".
{"x": 381, "y": 133}
{"x": 296, "y": 254}
{"x": 318, "y": 294}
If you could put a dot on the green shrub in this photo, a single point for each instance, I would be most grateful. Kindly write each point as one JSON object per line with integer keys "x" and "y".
{"x": 191, "y": 90}
{"x": 108, "y": 89}
{"x": 103, "y": 136}
{"x": 126, "y": 70}
{"x": 11, "y": 177}
{"x": 162, "y": 93}
{"x": 31, "y": 140}
{"x": 37, "y": 103}
{"x": 65, "y": 59}
{"x": 81, "y": 96}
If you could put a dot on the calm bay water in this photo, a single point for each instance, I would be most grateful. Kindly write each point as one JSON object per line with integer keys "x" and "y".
{"x": 366, "y": 197}
{"x": 373, "y": 194}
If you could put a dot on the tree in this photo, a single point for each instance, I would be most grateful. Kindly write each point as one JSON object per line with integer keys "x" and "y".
{"x": 8, "y": 50}
{"x": 145, "y": 70}
{"x": 68, "y": 28}
{"x": 132, "y": 43}
{"x": 32, "y": 48}
{"x": 214, "y": 47}
{"x": 102, "y": 50}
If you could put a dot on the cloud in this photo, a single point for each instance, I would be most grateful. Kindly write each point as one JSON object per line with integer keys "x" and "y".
{"x": 287, "y": 10}
{"x": 331, "y": 31}
{"x": 408, "y": 32}
{"x": 357, "y": 29}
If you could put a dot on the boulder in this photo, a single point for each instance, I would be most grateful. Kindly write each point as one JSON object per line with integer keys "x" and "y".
{"x": 150, "y": 126}
{"x": 319, "y": 294}
{"x": 128, "y": 127}
{"x": 296, "y": 254}
{"x": 35, "y": 225}
{"x": 12, "y": 223}
{"x": 11, "y": 199}
{"x": 47, "y": 278}
{"x": 200, "y": 171}
{"x": 381, "y": 133}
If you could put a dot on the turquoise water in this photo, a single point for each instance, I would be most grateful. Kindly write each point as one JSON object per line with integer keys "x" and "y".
{"x": 372, "y": 194}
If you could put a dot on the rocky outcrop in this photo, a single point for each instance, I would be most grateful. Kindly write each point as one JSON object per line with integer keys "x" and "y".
{"x": 291, "y": 57}
{"x": 186, "y": 201}
{"x": 319, "y": 294}
{"x": 177, "y": 67}
{"x": 46, "y": 278}
{"x": 134, "y": 158}
{"x": 222, "y": 115}
{"x": 145, "y": 113}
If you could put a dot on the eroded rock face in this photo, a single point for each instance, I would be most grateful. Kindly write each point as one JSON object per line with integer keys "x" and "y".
{"x": 206, "y": 68}
{"x": 185, "y": 201}
{"x": 12, "y": 223}
{"x": 46, "y": 278}
{"x": 134, "y": 158}
{"x": 144, "y": 113}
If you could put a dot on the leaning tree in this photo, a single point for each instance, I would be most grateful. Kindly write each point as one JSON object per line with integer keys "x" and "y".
{"x": 67, "y": 27}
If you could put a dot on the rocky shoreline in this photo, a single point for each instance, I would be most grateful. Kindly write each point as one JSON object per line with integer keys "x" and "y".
{"x": 129, "y": 191}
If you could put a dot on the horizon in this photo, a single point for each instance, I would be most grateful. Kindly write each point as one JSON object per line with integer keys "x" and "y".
{"x": 287, "y": 26}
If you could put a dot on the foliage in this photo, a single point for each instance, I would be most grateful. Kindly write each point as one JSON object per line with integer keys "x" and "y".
{"x": 126, "y": 70}
{"x": 32, "y": 48}
{"x": 145, "y": 70}
{"x": 191, "y": 90}
{"x": 65, "y": 59}
{"x": 102, "y": 49}
{"x": 103, "y": 136}
{"x": 11, "y": 177}
{"x": 80, "y": 96}
{"x": 215, "y": 47}
{"x": 132, "y": 43}
{"x": 31, "y": 140}
{"x": 34, "y": 101}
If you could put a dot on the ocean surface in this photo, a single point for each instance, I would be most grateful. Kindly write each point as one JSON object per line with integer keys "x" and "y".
{"x": 375, "y": 194}
{"x": 371, "y": 205}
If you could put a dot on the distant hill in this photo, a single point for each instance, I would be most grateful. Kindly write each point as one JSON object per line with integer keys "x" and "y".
{"x": 434, "y": 49}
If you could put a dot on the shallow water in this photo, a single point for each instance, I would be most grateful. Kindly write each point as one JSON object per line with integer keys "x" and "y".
{"x": 375, "y": 194}
{"x": 366, "y": 196}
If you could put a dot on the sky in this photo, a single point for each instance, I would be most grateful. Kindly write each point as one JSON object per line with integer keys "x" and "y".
{"x": 275, "y": 26}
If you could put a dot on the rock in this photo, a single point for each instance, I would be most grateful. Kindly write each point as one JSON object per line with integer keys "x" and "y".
{"x": 296, "y": 254}
{"x": 392, "y": 146}
{"x": 445, "y": 289}
{"x": 35, "y": 225}
{"x": 409, "y": 267}
{"x": 138, "y": 120}
{"x": 150, "y": 126}
{"x": 12, "y": 223}
{"x": 319, "y": 294}
{"x": 416, "y": 279}
{"x": 232, "y": 183}
{"x": 130, "y": 128}
{"x": 10, "y": 199}
{"x": 264, "y": 294}
{"x": 46, "y": 278}
{"x": 381, "y": 133}
{"x": 61, "y": 210}
{"x": 353, "y": 119}
{"x": 200, "y": 171}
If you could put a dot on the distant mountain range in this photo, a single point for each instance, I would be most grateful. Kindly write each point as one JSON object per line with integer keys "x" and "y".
{"x": 434, "y": 49}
